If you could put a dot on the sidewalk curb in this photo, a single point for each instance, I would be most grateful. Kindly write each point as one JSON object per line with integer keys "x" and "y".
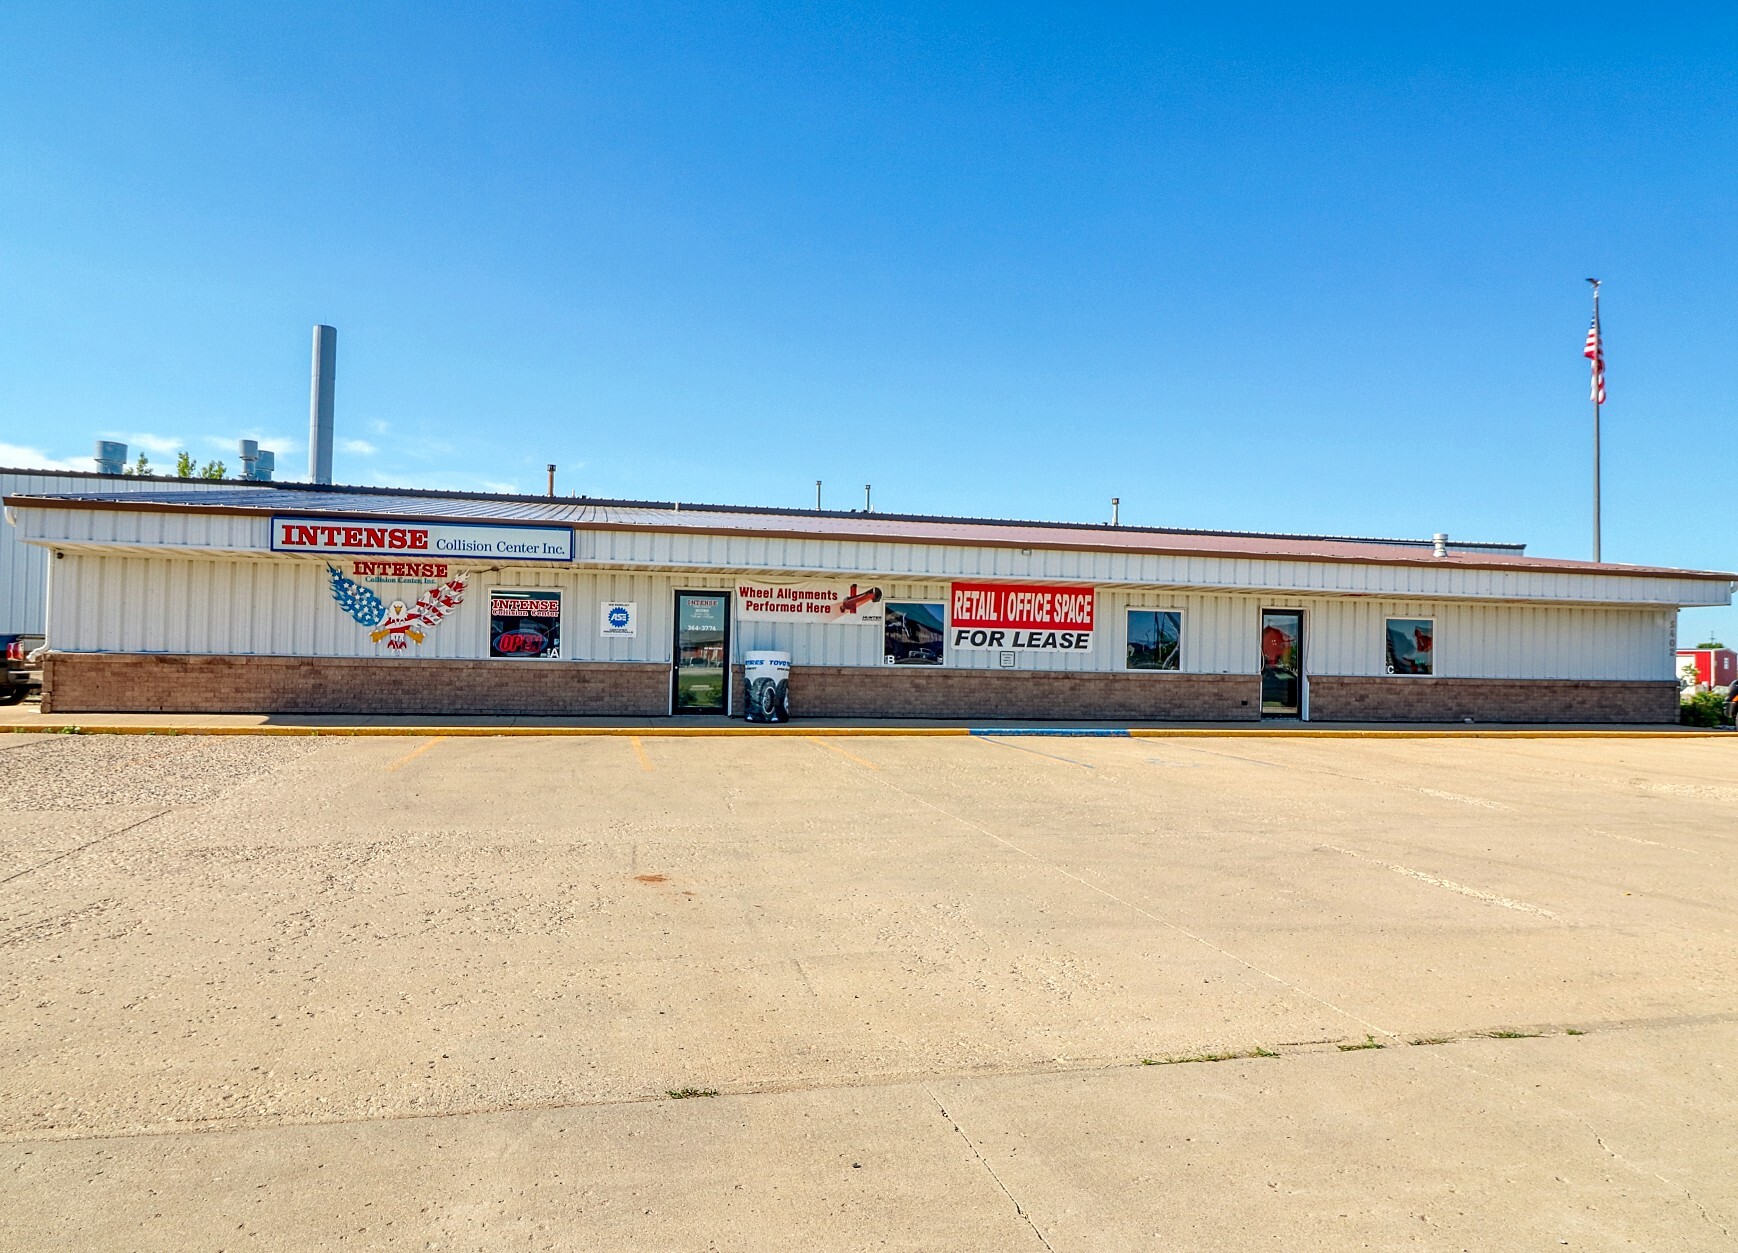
{"x": 787, "y": 729}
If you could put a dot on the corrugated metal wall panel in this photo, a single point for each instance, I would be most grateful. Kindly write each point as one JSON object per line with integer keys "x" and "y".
{"x": 23, "y": 567}
{"x": 274, "y": 605}
{"x": 1499, "y": 641}
{"x": 285, "y": 607}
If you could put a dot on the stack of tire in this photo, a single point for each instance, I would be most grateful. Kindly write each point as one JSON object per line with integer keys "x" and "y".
{"x": 767, "y": 678}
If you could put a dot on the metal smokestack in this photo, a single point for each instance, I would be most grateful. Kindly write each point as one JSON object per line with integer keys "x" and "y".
{"x": 111, "y": 457}
{"x": 320, "y": 391}
{"x": 552, "y": 479}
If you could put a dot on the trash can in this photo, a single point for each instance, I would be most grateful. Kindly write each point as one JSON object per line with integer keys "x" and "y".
{"x": 767, "y": 678}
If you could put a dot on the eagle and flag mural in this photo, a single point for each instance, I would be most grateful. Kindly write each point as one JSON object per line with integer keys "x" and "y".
{"x": 399, "y": 625}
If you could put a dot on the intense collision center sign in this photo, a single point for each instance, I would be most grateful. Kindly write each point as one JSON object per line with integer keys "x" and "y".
{"x": 1021, "y": 617}
{"x": 395, "y": 537}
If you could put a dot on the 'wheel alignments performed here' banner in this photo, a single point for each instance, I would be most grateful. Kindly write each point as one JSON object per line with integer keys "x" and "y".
{"x": 1021, "y": 617}
{"x": 853, "y": 604}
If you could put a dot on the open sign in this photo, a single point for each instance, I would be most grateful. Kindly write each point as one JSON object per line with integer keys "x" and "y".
{"x": 520, "y": 643}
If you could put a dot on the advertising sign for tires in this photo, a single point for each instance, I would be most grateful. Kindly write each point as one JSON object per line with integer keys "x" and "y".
{"x": 1022, "y": 617}
{"x": 854, "y": 604}
{"x": 525, "y": 624}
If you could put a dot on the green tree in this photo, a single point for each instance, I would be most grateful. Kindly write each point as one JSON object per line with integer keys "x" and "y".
{"x": 141, "y": 466}
{"x": 184, "y": 467}
{"x": 213, "y": 470}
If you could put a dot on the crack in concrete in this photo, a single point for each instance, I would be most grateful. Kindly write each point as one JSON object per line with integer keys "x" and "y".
{"x": 245, "y": 1121}
{"x": 985, "y": 1163}
{"x": 87, "y": 844}
{"x": 1565, "y": 1112}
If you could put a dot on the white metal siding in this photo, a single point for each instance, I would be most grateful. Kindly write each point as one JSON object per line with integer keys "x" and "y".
{"x": 662, "y": 552}
{"x": 24, "y": 567}
{"x": 1492, "y": 641}
{"x": 284, "y": 606}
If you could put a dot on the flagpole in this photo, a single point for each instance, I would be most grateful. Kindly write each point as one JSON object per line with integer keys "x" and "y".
{"x": 1595, "y": 394}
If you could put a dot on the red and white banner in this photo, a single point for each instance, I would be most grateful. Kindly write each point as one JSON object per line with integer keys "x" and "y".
{"x": 854, "y": 604}
{"x": 1021, "y": 617}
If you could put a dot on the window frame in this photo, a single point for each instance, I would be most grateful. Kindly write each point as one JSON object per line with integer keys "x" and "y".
{"x": 559, "y": 594}
{"x": 946, "y": 652}
{"x": 1182, "y": 639}
{"x": 1388, "y": 670}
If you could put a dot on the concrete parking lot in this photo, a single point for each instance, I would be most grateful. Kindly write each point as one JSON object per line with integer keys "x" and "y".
{"x": 868, "y": 993}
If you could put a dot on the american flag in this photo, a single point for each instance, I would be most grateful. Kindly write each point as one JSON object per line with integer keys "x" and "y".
{"x": 1595, "y": 352}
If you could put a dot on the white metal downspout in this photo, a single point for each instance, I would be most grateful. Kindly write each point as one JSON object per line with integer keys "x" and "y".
{"x": 54, "y": 559}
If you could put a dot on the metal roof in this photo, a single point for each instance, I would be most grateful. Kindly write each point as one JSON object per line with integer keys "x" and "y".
{"x": 677, "y": 517}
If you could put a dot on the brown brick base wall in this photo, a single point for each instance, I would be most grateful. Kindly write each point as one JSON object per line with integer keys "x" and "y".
{"x": 160, "y": 683}
{"x": 169, "y": 683}
{"x": 934, "y": 692}
{"x": 1385, "y": 698}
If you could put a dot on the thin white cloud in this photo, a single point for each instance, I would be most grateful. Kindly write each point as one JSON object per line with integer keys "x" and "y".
{"x": 441, "y": 483}
{"x": 379, "y": 426}
{"x": 22, "y": 458}
{"x": 282, "y": 445}
{"x": 162, "y": 445}
{"x": 360, "y": 447}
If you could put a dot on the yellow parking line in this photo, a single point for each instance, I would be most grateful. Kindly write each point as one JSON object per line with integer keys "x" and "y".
{"x": 861, "y": 761}
{"x": 416, "y": 752}
{"x": 640, "y": 752}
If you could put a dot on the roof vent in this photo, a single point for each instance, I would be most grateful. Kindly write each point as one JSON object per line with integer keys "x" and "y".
{"x": 1440, "y": 544}
{"x": 257, "y": 463}
{"x": 111, "y": 457}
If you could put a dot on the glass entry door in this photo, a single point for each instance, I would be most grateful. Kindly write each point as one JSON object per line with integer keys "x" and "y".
{"x": 1281, "y": 661}
{"x": 701, "y": 673}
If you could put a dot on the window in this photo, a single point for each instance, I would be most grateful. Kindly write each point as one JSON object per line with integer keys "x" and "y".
{"x": 1409, "y": 645}
{"x": 1155, "y": 639}
{"x": 525, "y": 623}
{"x": 913, "y": 632}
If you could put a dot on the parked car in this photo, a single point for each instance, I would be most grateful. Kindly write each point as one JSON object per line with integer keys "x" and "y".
{"x": 23, "y": 675}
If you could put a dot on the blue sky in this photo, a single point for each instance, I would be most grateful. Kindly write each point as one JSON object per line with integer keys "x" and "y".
{"x": 1247, "y": 271}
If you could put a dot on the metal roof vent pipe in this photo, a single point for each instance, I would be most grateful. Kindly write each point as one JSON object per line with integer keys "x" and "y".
{"x": 249, "y": 450}
{"x": 322, "y": 382}
{"x": 1439, "y": 543}
{"x": 551, "y": 478}
{"x": 111, "y": 457}
{"x": 1115, "y": 510}
{"x": 264, "y": 465}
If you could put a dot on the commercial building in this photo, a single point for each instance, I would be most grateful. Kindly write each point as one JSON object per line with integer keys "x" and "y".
{"x": 310, "y": 598}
